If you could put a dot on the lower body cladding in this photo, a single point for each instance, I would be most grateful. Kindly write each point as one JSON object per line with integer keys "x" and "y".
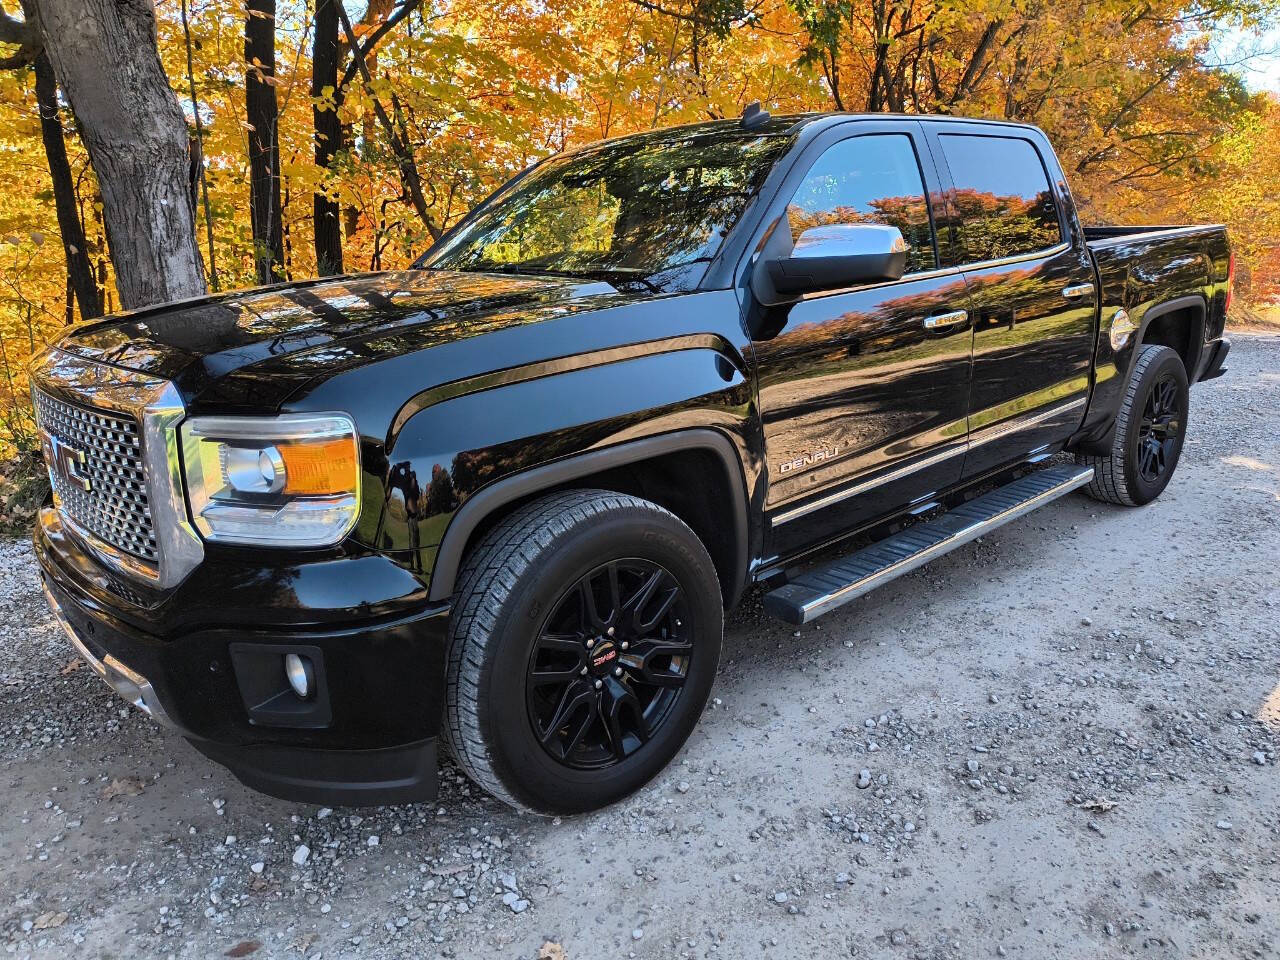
{"x": 355, "y": 725}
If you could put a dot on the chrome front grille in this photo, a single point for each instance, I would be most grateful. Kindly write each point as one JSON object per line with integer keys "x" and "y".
{"x": 95, "y": 463}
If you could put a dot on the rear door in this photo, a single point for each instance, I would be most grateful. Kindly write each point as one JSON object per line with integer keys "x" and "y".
{"x": 863, "y": 400}
{"x": 1008, "y": 226}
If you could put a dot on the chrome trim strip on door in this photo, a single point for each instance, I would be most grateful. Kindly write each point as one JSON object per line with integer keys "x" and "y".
{"x": 937, "y": 272}
{"x": 866, "y": 485}
{"x": 1016, "y": 258}
{"x": 1078, "y": 290}
{"x": 991, "y": 433}
{"x": 905, "y": 278}
{"x": 998, "y": 430}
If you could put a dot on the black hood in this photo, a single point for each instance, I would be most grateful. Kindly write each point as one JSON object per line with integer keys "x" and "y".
{"x": 254, "y": 348}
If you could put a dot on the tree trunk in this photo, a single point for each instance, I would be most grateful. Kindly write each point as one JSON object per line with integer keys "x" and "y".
{"x": 263, "y": 114}
{"x": 328, "y": 134}
{"x": 104, "y": 56}
{"x": 79, "y": 269}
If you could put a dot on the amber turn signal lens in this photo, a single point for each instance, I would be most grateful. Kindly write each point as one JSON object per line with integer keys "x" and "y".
{"x": 319, "y": 467}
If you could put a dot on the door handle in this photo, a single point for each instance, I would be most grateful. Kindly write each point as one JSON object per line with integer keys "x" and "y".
{"x": 1076, "y": 291}
{"x": 943, "y": 320}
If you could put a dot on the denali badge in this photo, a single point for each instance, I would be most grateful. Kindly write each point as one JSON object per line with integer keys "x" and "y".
{"x": 808, "y": 460}
{"x": 65, "y": 460}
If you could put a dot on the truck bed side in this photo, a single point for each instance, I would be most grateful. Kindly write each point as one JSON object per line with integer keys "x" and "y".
{"x": 1172, "y": 283}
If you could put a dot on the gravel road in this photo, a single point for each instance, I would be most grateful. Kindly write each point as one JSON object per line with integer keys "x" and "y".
{"x": 1060, "y": 741}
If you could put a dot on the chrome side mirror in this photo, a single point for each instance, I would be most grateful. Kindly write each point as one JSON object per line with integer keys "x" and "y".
{"x": 834, "y": 256}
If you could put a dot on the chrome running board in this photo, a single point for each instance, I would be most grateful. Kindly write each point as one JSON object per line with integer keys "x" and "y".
{"x": 822, "y": 589}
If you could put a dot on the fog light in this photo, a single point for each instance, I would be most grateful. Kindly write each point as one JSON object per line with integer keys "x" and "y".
{"x": 299, "y": 671}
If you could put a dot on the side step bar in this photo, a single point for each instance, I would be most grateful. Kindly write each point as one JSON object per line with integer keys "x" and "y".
{"x": 824, "y": 588}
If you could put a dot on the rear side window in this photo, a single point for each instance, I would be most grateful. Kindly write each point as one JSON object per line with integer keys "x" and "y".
{"x": 871, "y": 179}
{"x": 1003, "y": 204}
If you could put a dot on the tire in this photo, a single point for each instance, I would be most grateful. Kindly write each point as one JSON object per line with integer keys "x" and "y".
{"x": 1144, "y": 453}
{"x": 520, "y": 718}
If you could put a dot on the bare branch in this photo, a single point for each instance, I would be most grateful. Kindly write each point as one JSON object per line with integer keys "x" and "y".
{"x": 23, "y": 34}
{"x": 359, "y": 53}
{"x": 399, "y": 144}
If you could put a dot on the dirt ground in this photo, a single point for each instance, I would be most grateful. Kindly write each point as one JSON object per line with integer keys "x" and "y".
{"x": 1069, "y": 729}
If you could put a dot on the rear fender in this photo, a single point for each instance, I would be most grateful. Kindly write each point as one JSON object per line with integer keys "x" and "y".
{"x": 1114, "y": 368}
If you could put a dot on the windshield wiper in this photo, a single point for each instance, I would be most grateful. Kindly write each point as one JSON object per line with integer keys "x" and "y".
{"x": 607, "y": 274}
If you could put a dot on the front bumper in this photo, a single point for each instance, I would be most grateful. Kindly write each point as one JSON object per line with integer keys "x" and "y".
{"x": 380, "y": 679}
{"x": 129, "y": 684}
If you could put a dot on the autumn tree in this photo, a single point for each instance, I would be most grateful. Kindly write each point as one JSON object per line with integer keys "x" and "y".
{"x": 392, "y": 117}
{"x": 80, "y": 277}
{"x": 133, "y": 128}
{"x": 262, "y": 115}
{"x": 325, "y": 99}
{"x": 82, "y": 288}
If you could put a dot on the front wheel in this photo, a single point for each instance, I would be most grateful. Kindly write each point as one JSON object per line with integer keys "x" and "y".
{"x": 1149, "y": 432}
{"x": 584, "y": 642}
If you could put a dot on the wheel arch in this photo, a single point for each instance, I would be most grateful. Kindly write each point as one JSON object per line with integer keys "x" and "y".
{"x": 1178, "y": 324}
{"x": 640, "y": 467}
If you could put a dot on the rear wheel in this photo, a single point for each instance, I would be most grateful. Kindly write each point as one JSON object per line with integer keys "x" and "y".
{"x": 584, "y": 642}
{"x": 1149, "y": 432}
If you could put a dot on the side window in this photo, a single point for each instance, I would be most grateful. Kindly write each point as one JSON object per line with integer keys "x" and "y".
{"x": 870, "y": 179}
{"x": 1003, "y": 204}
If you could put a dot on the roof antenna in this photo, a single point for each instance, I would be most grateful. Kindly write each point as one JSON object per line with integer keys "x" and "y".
{"x": 754, "y": 116}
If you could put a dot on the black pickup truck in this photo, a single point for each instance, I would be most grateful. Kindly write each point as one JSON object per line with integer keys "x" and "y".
{"x": 500, "y": 501}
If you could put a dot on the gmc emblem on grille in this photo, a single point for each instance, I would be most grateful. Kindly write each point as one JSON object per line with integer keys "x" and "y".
{"x": 66, "y": 461}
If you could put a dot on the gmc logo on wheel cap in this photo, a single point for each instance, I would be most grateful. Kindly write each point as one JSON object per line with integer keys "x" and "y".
{"x": 603, "y": 658}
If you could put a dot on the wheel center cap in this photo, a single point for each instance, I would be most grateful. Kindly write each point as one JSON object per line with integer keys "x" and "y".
{"x": 602, "y": 655}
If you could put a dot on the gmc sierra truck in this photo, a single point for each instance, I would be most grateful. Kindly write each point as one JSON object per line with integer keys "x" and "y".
{"x": 499, "y": 502}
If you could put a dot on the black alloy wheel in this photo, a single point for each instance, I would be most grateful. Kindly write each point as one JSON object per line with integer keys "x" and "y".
{"x": 1159, "y": 430}
{"x": 1148, "y": 432}
{"x": 584, "y": 641}
{"x": 609, "y": 663}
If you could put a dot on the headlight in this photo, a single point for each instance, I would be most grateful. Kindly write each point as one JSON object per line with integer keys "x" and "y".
{"x": 276, "y": 481}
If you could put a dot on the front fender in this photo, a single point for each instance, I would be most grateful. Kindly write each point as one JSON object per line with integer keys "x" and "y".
{"x": 449, "y": 444}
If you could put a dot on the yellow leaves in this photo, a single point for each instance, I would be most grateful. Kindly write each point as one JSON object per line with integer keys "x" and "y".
{"x": 257, "y": 69}
{"x": 484, "y": 89}
{"x": 324, "y": 101}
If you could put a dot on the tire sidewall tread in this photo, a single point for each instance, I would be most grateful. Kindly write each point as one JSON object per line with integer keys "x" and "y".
{"x": 485, "y": 715}
{"x": 1115, "y": 476}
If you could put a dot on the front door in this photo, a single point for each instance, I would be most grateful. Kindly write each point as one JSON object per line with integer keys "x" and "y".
{"x": 1031, "y": 281}
{"x": 863, "y": 391}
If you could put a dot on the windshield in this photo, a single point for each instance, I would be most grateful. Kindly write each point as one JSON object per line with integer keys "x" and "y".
{"x": 650, "y": 210}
